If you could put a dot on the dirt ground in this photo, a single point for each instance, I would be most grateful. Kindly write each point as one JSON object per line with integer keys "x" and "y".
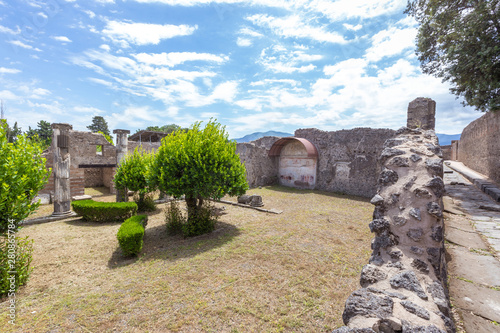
{"x": 257, "y": 272}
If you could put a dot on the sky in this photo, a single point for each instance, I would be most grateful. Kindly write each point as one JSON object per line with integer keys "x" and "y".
{"x": 253, "y": 65}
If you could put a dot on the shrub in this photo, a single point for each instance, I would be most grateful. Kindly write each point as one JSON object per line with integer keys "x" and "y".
{"x": 20, "y": 264}
{"x": 95, "y": 211}
{"x": 146, "y": 204}
{"x": 201, "y": 223}
{"x": 131, "y": 233}
{"x": 174, "y": 218}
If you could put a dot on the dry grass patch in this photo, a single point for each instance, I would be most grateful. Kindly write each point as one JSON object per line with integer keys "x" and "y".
{"x": 257, "y": 272}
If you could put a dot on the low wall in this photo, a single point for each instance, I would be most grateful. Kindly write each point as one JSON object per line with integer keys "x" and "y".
{"x": 348, "y": 159}
{"x": 479, "y": 146}
{"x": 404, "y": 284}
{"x": 262, "y": 170}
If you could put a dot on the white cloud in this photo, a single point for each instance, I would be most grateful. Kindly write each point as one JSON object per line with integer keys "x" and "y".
{"x": 62, "y": 39}
{"x": 345, "y": 9}
{"x": 100, "y": 81}
{"x": 264, "y": 82}
{"x": 294, "y": 27}
{"x": 8, "y": 95}
{"x": 176, "y": 58}
{"x": 4, "y": 70}
{"x": 390, "y": 42}
{"x": 90, "y": 13}
{"x": 9, "y": 31}
{"x": 125, "y": 33}
{"x": 250, "y": 32}
{"x": 352, "y": 27}
{"x": 23, "y": 45}
{"x": 243, "y": 42}
{"x": 280, "y": 60}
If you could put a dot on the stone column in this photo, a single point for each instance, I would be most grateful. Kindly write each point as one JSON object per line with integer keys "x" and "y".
{"x": 61, "y": 170}
{"x": 422, "y": 114}
{"x": 121, "y": 151}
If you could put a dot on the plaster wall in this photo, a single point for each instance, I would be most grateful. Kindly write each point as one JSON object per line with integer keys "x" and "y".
{"x": 296, "y": 169}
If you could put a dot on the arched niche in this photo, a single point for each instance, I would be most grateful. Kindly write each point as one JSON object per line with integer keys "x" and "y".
{"x": 298, "y": 159}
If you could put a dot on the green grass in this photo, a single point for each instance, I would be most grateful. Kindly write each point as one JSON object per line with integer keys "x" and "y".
{"x": 257, "y": 272}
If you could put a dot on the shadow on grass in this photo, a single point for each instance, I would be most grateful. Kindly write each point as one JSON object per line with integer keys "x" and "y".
{"x": 337, "y": 195}
{"x": 158, "y": 245}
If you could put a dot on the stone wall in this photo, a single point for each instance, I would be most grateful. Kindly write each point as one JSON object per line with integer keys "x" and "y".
{"x": 404, "y": 284}
{"x": 262, "y": 170}
{"x": 479, "y": 146}
{"x": 93, "y": 177}
{"x": 147, "y": 146}
{"x": 446, "y": 152}
{"x": 348, "y": 159}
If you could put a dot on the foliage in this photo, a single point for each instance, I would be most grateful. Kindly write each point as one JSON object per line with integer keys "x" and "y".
{"x": 165, "y": 128}
{"x": 133, "y": 174}
{"x": 145, "y": 203}
{"x": 43, "y": 133}
{"x": 107, "y": 137}
{"x": 202, "y": 222}
{"x": 22, "y": 175}
{"x": 95, "y": 211}
{"x": 174, "y": 218}
{"x": 131, "y": 233}
{"x": 18, "y": 261}
{"x": 459, "y": 42}
{"x": 199, "y": 163}
{"x": 99, "y": 124}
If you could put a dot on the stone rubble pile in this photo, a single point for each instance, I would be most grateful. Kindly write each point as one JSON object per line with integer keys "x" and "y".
{"x": 404, "y": 284}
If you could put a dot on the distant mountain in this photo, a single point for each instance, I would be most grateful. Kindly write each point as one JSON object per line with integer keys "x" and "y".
{"x": 258, "y": 135}
{"x": 445, "y": 139}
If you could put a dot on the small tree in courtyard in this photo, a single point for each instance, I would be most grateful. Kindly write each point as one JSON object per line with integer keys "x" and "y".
{"x": 199, "y": 164}
{"x": 133, "y": 174}
{"x": 22, "y": 175}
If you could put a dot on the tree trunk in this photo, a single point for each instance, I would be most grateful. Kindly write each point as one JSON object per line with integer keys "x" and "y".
{"x": 194, "y": 206}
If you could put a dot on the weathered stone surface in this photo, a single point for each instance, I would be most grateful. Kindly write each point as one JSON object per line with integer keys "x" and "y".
{"x": 345, "y": 329}
{"x": 415, "y": 158}
{"x": 364, "y": 303}
{"x": 389, "y": 143}
{"x": 388, "y": 177}
{"x": 436, "y": 184}
{"x": 388, "y": 293}
{"x": 437, "y": 233}
{"x": 394, "y": 198}
{"x": 399, "y": 220}
{"x": 434, "y": 257}
{"x": 395, "y": 255}
{"x": 377, "y": 200}
{"x": 379, "y": 225}
{"x": 415, "y": 213}
{"x": 408, "y": 328}
{"x": 371, "y": 274}
{"x": 401, "y": 162}
{"x": 422, "y": 193}
{"x": 390, "y": 152}
{"x": 408, "y": 280}
{"x": 383, "y": 240}
{"x": 435, "y": 165}
{"x": 421, "y": 114}
{"x": 417, "y": 250}
{"x": 420, "y": 265}
{"x": 416, "y": 310}
{"x": 410, "y": 183}
{"x": 434, "y": 209}
{"x": 415, "y": 234}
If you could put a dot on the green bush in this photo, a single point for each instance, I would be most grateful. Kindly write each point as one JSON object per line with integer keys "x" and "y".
{"x": 21, "y": 264}
{"x": 174, "y": 218}
{"x": 200, "y": 223}
{"x": 131, "y": 233}
{"x": 95, "y": 211}
{"x": 146, "y": 203}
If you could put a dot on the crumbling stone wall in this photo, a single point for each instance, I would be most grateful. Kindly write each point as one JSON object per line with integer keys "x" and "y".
{"x": 404, "y": 284}
{"x": 446, "y": 152}
{"x": 479, "y": 145}
{"x": 348, "y": 159}
{"x": 262, "y": 170}
{"x": 93, "y": 177}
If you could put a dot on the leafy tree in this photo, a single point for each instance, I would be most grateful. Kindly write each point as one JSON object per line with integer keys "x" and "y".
{"x": 458, "y": 41}
{"x": 99, "y": 124}
{"x": 12, "y": 132}
{"x": 199, "y": 164}
{"x": 22, "y": 175}
{"x": 107, "y": 137}
{"x": 165, "y": 128}
{"x": 133, "y": 174}
{"x": 43, "y": 132}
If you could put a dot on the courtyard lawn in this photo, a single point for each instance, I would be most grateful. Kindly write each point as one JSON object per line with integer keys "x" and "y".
{"x": 257, "y": 272}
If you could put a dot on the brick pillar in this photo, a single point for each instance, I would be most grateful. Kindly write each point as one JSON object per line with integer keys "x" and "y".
{"x": 121, "y": 151}
{"x": 422, "y": 114}
{"x": 62, "y": 163}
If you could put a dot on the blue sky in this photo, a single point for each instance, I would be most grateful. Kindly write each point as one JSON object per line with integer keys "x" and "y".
{"x": 255, "y": 65}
